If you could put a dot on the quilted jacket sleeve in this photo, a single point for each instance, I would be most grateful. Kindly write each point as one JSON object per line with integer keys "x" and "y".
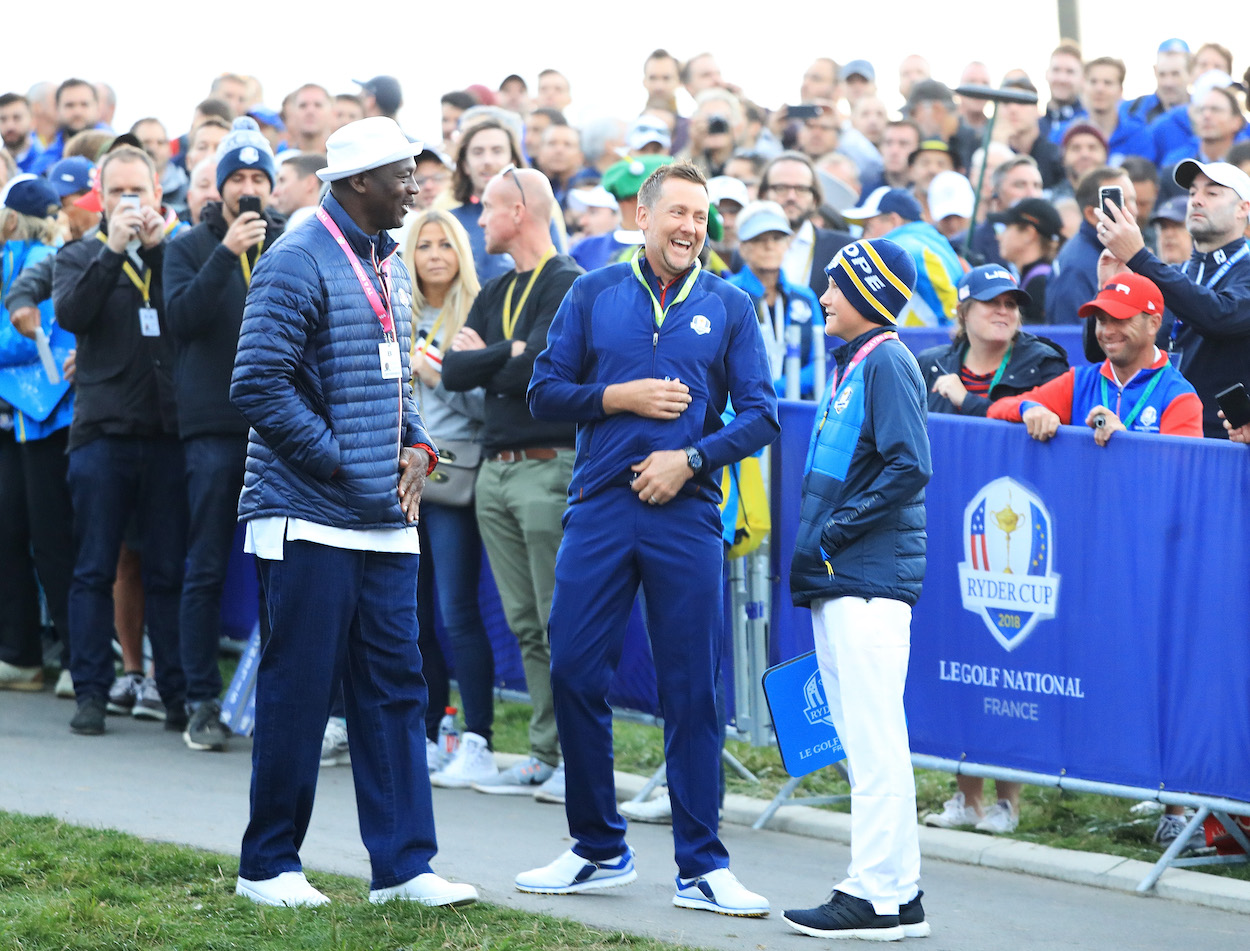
{"x": 269, "y": 386}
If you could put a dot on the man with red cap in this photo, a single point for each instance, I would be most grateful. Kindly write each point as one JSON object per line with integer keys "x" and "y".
{"x": 1135, "y": 388}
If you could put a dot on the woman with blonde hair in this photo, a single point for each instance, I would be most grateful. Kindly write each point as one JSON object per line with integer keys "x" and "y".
{"x": 36, "y": 406}
{"x": 444, "y": 286}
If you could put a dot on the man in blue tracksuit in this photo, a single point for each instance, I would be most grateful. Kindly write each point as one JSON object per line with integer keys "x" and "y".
{"x": 643, "y": 356}
{"x": 858, "y": 563}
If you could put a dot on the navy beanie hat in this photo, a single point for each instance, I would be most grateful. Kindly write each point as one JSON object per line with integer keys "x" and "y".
{"x": 877, "y": 277}
{"x": 244, "y": 147}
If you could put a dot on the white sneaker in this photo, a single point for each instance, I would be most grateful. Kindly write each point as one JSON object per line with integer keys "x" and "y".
{"x": 334, "y": 751}
{"x": 473, "y": 762}
{"x": 571, "y": 873}
{"x": 999, "y": 819}
{"x": 13, "y": 677}
{"x": 289, "y": 888}
{"x": 955, "y": 814}
{"x": 658, "y": 810}
{"x": 427, "y": 889}
{"x": 553, "y": 789}
{"x": 435, "y": 758}
{"x": 65, "y": 686}
{"x": 148, "y": 704}
{"x": 720, "y": 891}
{"x": 521, "y": 779}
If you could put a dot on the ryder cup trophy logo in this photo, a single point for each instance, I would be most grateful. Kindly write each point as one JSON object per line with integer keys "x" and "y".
{"x": 1006, "y": 575}
{"x": 815, "y": 707}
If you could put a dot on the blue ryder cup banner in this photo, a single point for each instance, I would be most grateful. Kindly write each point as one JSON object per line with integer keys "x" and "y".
{"x": 1085, "y": 611}
{"x": 800, "y": 712}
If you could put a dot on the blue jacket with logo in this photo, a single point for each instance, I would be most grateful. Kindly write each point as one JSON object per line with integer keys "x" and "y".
{"x": 605, "y": 332}
{"x": 326, "y": 427}
{"x": 862, "y": 515}
{"x": 801, "y": 309}
{"x": 40, "y": 407}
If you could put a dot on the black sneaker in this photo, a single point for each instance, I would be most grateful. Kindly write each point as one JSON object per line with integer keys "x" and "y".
{"x": 844, "y": 916}
{"x": 205, "y": 730}
{"x": 176, "y": 720}
{"x": 911, "y": 917}
{"x": 89, "y": 717}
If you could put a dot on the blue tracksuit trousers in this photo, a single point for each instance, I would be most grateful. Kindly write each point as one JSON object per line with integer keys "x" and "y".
{"x": 612, "y": 544}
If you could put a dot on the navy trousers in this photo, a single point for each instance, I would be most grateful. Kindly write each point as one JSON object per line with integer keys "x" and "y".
{"x": 351, "y": 615}
{"x": 612, "y": 544}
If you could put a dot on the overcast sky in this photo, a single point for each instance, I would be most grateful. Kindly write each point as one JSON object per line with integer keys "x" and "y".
{"x": 163, "y": 61}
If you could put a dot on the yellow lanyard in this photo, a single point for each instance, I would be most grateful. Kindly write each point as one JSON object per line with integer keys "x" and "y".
{"x": 510, "y": 316}
{"x": 429, "y": 338}
{"x": 662, "y": 312}
{"x": 247, "y": 265}
{"x": 145, "y": 285}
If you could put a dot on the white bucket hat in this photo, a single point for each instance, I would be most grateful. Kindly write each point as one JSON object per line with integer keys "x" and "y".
{"x": 365, "y": 144}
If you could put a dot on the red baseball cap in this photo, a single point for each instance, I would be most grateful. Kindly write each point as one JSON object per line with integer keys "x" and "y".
{"x": 1125, "y": 295}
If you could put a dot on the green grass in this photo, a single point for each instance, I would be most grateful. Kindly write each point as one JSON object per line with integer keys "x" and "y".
{"x": 65, "y": 887}
{"x": 1048, "y": 816}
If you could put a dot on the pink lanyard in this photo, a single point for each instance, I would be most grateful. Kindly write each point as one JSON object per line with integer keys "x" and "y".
{"x": 382, "y": 311}
{"x": 862, "y": 354}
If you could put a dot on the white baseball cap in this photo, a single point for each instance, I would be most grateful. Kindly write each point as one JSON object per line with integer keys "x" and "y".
{"x": 725, "y": 188}
{"x": 950, "y": 194}
{"x": 1222, "y": 173}
{"x": 596, "y": 197}
{"x": 365, "y": 144}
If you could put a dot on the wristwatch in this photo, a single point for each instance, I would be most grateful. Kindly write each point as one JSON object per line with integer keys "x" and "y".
{"x": 694, "y": 459}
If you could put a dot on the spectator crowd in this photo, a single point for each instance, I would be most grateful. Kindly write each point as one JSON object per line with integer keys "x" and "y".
{"x": 128, "y": 256}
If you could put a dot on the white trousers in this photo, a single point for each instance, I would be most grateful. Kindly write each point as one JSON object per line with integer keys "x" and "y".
{"x": 863, "y": 647}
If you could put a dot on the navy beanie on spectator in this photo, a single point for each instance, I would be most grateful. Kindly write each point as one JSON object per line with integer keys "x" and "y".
{"x": 877, "y": 277}
{"x": 244, "y": 147}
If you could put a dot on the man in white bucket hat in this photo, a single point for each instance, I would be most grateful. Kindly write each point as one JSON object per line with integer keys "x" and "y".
{"x": 336, "y": 462}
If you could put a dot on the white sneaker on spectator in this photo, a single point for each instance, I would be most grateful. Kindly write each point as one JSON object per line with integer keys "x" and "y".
{"x": 472, "y": 762}
{"x": 13, "y": 677}
{"x": 720, "y": 891}
{"x": 521, "y": 779}
{"x": 148, "y": 703}
{"x": 435, "y": 758}
{"x": 999, "y": 819}
{"x": 65, "y": 686}
{"x": 124, "y": 692}
{"x": 334, "y": 751}
{"x": 289, "y": 888}
{"x": 427, "y": 889}
{"x": 955, "y": 814}
{"x": 553, "y": 789}
{"x": 571, "y": 873}
{"x": 1169, "y": 829}
{"x": 658, "y": 810}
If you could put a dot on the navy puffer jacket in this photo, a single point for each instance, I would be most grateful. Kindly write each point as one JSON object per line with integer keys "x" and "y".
{"x": 326, "y": 427}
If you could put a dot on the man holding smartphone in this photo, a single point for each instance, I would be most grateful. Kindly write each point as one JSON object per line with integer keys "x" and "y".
{"x": 1208, "y": 339}
{"x": 124, "y": 455}
{"x": 207, "y": 274}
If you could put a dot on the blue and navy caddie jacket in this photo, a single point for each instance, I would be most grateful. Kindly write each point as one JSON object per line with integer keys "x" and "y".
{"x": 326, "y": 427}
{"x": 862, "y": 515}
{"x": 606, "y": 331}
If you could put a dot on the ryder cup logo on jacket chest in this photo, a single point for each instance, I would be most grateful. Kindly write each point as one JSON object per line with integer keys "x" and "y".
{"x": 1006, "y": 575}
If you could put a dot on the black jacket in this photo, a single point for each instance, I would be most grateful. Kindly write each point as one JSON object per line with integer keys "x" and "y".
{"x": 1034, "y": 361}
{"x": 204, "y": 295}
{"x": 124, "y": 380}
{"x": 509, "y": 424}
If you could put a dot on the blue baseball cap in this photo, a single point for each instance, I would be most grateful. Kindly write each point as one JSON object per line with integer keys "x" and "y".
{"x": 71, "y": 175}
{"x": 861, "y": 68}
{"x": 267, "y": 116}
{"x": 762, "y": 217}
{"x": 885, "y": 200}
{"x": 31, "y": 195}
{"x": 1175, "y": 209}
{"x": 987, "y": 282}
{"x": 1174, "y": 45}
